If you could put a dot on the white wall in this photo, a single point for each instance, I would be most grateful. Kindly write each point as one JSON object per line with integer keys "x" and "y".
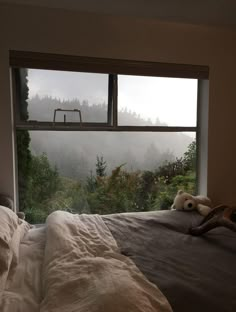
{"x": 74, "y": 33}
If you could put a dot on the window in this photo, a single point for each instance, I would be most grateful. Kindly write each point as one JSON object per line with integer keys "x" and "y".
{"x": 100, "y": 136}
{"x": 73, "y": 86}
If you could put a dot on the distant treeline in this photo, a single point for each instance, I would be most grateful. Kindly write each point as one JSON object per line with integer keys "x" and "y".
{"x": 42, "y": 108}
{"x": 74, "y": 153}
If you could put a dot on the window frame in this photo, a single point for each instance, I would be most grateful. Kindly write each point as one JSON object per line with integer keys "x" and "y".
{"x": 111, "y": 67}
{"x": 114, "y": 67}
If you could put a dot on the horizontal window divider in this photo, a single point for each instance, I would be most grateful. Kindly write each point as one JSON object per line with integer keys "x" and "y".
{"x": 154, "y": 129}
{"x": 44, "y": 126}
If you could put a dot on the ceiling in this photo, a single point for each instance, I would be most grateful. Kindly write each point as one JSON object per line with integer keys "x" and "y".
{"x": 207, "y": 12}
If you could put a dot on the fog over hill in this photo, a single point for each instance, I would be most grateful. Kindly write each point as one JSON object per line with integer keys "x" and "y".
{"x": 74, "y": 153}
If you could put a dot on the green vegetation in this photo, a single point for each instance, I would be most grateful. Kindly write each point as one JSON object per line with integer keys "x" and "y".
{"x": 23, "y": 138}
{"x": 121, "y": 191}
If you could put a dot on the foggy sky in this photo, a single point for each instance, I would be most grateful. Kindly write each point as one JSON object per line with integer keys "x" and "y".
{"x": 172, "y": 100}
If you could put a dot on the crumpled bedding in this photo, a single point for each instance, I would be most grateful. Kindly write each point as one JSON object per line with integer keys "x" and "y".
{"x": 23, "y": 288}
{"x": 12, "y": 231}
{"x": 194, "y": 273}
{"x": 74, "y": 264}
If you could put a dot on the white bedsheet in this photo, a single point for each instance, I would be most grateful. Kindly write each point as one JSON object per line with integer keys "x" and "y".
{"x": 73, "y": 265}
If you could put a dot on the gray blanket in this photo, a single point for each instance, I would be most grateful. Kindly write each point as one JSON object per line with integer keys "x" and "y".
{"x": 194, "y": 273}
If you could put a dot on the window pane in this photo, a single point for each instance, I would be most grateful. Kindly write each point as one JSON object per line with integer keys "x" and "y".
{"x": 49, "y": 90}
{"x": 157, "y": 101}
{"x": 103, "y": 172}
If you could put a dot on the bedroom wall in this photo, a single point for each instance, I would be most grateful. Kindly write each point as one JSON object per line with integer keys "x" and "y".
{"x": 67, "y": 32}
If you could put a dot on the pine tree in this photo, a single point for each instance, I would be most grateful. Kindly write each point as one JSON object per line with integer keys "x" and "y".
{"x": 101, "y": 166}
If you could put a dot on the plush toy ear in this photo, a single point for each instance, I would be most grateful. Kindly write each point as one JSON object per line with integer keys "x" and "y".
{"x": 180, "y": 192}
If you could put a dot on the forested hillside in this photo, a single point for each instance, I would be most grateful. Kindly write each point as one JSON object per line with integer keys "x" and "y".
{"x": 74, "y": 153}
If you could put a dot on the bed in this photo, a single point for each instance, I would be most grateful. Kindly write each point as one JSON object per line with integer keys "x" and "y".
{"x": 144, "y": 261}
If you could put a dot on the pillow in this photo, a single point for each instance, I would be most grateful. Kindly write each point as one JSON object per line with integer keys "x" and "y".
{"x": 17, "y": 237}
{"x": 8, "y": 226}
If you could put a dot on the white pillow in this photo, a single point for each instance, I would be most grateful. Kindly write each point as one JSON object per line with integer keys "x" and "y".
{"x": 8, "y": 225}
